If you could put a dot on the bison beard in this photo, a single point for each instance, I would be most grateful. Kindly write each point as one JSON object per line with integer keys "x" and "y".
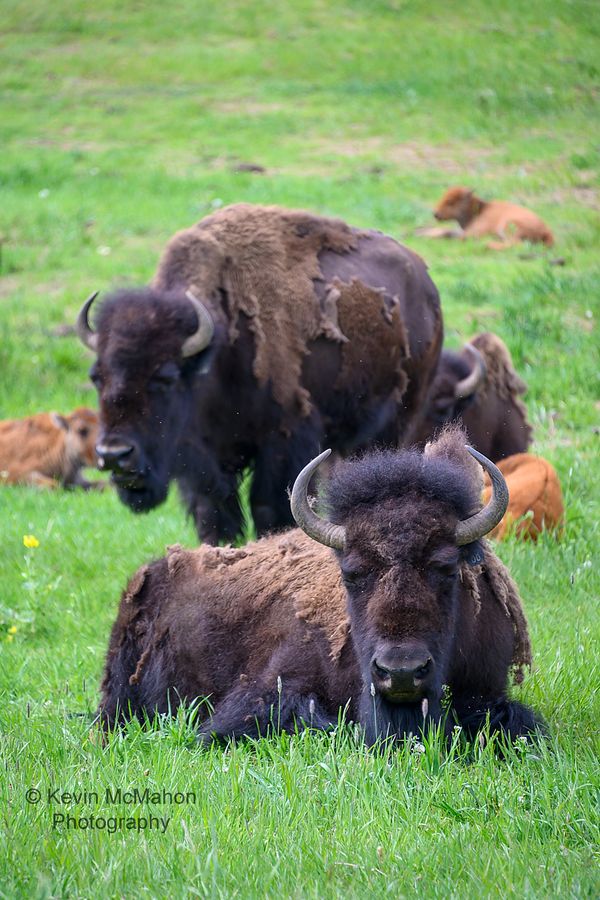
{"x": 284, "y": 632}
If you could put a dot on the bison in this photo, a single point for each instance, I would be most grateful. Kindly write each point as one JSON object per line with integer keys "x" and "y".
{"x": 479, "y": 388}
{"x": 265, "y": 333}
{"x": 410, "y": 608}
{"x": 536, "y": 502}
{"x": 48, "y": 450}
{"x": 504, "y": 220}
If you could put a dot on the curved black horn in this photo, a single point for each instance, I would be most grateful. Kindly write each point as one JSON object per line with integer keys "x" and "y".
{"x": 82, "y": 326}
{"x": 476, "y": 376}
{"x": 317, "y": 528}
{"x": 481, "y": 523}
{"x": 202, "y": 337}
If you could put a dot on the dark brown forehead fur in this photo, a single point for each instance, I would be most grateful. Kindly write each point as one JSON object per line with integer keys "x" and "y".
{"x": 411, "y": 490}
{"x": 152, "y": 324}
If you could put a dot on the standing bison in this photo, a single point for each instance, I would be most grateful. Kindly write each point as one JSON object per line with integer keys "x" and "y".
{"x": 284, "y": 631}
{"x": 480, "y": 389}
{"x": 265, "y": 333}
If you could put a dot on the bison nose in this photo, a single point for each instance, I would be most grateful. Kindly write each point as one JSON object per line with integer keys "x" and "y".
{"x": 111, "y": 456}
{"x": 404, "y": 678}
{"x": 437, "y": 216}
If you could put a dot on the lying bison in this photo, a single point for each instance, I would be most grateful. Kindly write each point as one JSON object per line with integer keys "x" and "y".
{"x": 49, "y": 450}
{"x": 284, "y": 631}
{"x": 479, "y": 388}
{"x": 266, "y": 332}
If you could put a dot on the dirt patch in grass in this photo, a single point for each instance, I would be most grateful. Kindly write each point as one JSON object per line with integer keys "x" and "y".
{"x": 453, "y": 159}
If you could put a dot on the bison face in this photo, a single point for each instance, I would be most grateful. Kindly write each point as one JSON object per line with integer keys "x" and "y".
{"x": 151, "y": 349}
{"x": 406, "y": 522}
{"x": 401, "y": 578}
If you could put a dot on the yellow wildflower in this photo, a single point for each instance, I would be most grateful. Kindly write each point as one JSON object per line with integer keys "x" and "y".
{"x": 30, "y": 540}
{"x": 12, "y": 629}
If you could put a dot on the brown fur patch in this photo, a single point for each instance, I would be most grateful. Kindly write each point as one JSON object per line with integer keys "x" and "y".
{"x": 275, "y": 569}
{"x": 265, "y": 258}
{"x": 379, "y": 354}
{"x": 501, "y": 378}
{"x": 451, "y": 444}
{"x": 135, "y": 584}
{"x": 507, "y": 594}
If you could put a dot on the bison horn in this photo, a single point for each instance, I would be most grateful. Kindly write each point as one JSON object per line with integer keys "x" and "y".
{"x": 317, "y": 528}
{"x": 202, "y": 337}
{"x": 481, "y": 523}
{"x": 469, "y": 385}
{"x": 82, "y": 326}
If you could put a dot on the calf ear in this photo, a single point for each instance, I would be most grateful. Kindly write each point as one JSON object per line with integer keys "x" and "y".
{"x": 59, "y": 421}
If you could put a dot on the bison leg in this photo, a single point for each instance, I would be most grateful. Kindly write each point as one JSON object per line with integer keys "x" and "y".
{"x": 250, "y": 712}
{"x": 509, "y": 717}
{"x": 212, "y": 501}
{"x": 277, "y": 464}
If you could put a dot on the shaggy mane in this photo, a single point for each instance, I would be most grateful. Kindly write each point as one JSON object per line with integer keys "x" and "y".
{"x": 445, "y": 472}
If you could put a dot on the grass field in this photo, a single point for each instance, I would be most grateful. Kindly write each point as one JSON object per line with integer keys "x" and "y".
{"x": 123, "y": 122}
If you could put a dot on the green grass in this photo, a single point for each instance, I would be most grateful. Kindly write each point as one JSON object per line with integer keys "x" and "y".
{"x": 123, "y": 122}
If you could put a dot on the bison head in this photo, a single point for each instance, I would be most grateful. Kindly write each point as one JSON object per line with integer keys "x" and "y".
{"x": 150, "y": 348}
{"x": 459, "y": 378}
{"x": 407, "y": 521}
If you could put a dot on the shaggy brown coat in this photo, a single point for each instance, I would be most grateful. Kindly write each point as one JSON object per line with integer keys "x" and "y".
{"x": 275, "y": 634}
{"x": 47, "y": 449}
{"x": 494, "y": 416}
{"x": 534, "y": 490}
{"x": 323, "y": 334}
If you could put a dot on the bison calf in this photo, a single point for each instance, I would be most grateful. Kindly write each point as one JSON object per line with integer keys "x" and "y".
{"x": 48, "y": 450}
{"x": 284, "y": 631}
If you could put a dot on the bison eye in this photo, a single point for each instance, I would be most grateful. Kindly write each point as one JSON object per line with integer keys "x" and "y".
{"x": 444, "y": 564}
{"x": 353, "y": 576}
{"x": 164, "y": 377}
{"x": 95, "y": 376}
{"x": 83, "y": 432}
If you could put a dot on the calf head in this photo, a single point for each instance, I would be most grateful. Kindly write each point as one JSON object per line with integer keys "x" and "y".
{"x": 150, "y": 348}
{"x": 459, "y": 204}
{"x": 81, "y": 427}
{"x": 407, "y": 521}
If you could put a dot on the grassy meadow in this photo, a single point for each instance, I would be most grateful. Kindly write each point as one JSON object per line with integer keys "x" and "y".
{"x": 123, "y": 122}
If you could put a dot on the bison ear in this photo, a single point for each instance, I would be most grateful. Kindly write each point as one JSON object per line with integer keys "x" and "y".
{"x": 59, "y": 421}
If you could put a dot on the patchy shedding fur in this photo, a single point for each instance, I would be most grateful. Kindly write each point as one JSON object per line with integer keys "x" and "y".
{"x": 358, "y": 307}
{"x": 501, "y": 378}
{"x": 265, "y": 258}
{"x": 47, "y": 449}
{"x": 535, "y": 492}
{"x": 254, "y": 564}
{"x": 507, "y": 594}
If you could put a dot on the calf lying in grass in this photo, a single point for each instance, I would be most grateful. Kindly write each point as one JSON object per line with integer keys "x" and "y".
{"x": 48, "y": 450}
{"x": 479, "y": 218}
{"x": 284, "y": 631}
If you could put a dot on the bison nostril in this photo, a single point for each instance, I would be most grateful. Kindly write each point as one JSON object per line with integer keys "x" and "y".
{"x": 380, "y": 671}
{"x": 111, "y": 455}
{"x": 423, "y": 671}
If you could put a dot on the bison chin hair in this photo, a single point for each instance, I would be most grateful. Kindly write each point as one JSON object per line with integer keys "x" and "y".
{"x": 143, "y": 499}
{"x": 384, "y": 721}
